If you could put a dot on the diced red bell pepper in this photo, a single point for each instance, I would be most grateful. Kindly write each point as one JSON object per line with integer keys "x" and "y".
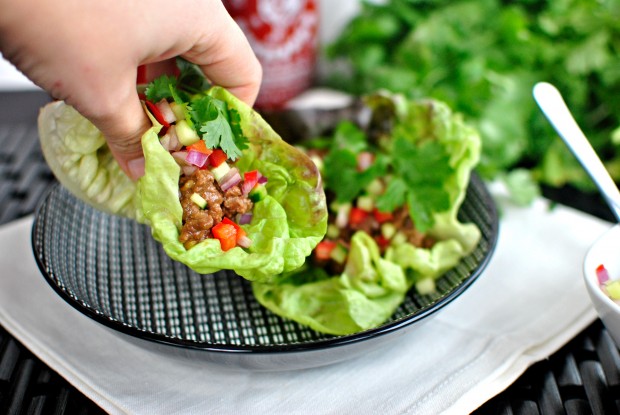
{"x": 240, "y": 231}
{"x": 200, "y": 147}
{"x": 382, "y": 241}
{"x": 250, "y": 179}
{"x": 357, "y": 216}
{"x": 236, "y": 225}
{"x": 324, "y": 249}
{"x": 251, "y": 176}
{"x": 141, "y": 77}
{"x": 226, "y": 233}
{"x": 158, "y": 116}
{"x": 382, "y": 217}
{"x": 217, "y": 157}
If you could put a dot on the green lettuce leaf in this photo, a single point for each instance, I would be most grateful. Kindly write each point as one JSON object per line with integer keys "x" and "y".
{"x": 79, "y": 158}
{"x": 363, "y": 296}
{"x": 286, "y": 225}
{"x": 372, "y": 286}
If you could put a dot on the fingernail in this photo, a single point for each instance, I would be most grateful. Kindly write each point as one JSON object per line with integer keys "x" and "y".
{"x": 136, "y": 168}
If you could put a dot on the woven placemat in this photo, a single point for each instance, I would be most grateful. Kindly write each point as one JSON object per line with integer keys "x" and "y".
{"x": 581, "y": 378}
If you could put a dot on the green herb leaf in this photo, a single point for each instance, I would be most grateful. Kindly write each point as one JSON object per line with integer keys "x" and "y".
{"x": 482, "y": 59}
{"x": 341, "y": 167}
{"x": 394, "y": 195}
{"x": 424, "y": 169}
{"x": 161, "y": 88}
{"x": 349, "y": 136}
{"x": 220, "y": 127}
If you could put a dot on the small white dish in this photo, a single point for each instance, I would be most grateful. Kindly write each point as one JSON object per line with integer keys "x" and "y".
{"x": 605, "y": 251}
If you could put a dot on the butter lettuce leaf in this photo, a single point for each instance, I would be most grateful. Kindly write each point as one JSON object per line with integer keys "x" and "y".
{"x": 372, "y": 286}
{"x": 286, "y": 225}
{"x": 78, "y": 155}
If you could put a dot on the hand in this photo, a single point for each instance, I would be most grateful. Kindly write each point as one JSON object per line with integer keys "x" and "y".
{"x": 87, "y": 53}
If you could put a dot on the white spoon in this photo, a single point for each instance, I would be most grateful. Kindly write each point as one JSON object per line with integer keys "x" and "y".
{"x": 553, "y": 106}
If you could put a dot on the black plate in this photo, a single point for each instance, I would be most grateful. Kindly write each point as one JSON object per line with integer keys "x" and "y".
{"x": 111, "y": 269}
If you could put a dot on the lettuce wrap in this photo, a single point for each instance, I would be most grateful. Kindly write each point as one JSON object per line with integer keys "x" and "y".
{"x": 423, "y": 155}
{"x": 286, "y": 223}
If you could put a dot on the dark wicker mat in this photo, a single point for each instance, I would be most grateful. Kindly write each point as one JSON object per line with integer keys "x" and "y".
{"x": 581, "y": 378}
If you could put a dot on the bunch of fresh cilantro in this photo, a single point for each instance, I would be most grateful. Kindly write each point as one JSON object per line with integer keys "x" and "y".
{"x": 219, "y": 125}
{"x": 483, "y": 57}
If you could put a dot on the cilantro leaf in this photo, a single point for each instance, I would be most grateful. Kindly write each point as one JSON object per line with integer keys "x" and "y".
{"x": 424, "y": 169}
{"x": 343, "y": 177}
{"x": 394, "y": 195}
{"x": 191, "y": 78}
{"x": 234, "y": 119}
{"x": 161, "y": 88}
{"x": 341, "y": 173}
{"x": 349, "y": 136}
{"x": 214, "y": 121}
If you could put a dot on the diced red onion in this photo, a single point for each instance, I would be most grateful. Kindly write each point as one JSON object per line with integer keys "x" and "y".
{"x": 261, "y": 179}
{"x": 165, "y": 141}
{"x": 196, "y": 158}
{"x": 244, "y": 242}
{"x": 175, "y": 144}
{"x": 230, "y": 179}
{"x": 166, "y": 111}
{"x": 170, "y": 141}
{"x": 602, "y": 274}
{"x": 365, "y": 160}
{"x": 246, "y": 187}
{"x": 342, "y": 217}
{"x": 188, "y": 170}
{"x": 245, "y": 218}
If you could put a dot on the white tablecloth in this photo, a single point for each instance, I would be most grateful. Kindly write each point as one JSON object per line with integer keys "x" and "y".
{"x": 528, "y": 303}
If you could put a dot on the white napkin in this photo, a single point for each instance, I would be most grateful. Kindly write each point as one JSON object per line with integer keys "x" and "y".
{"x": 529, "y": 302}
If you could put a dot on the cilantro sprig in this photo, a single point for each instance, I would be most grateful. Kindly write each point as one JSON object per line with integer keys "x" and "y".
{"x": 218, "y": 125}
{"x": 418, "y": 170}
{"x": 341, "y": 172}
{"x": 421, "y": 171}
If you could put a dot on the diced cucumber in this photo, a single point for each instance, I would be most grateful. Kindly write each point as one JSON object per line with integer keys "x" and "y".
{"x": 198, "y": 200}
{"x": 339, "y": 254}
{"x": 178, "y": 110}
{"x": 186, "y": 134}
{"x": 220, "y": 171}
{"x": 613, "y": 289}
{"x": 332, "y": 231}
{"x": 375, "y": 188}
{"x": 365, "y": 203}
{"x": 258, "y": 193}
{"x": 399, "y": 238}
{"x": 388, "y": 230}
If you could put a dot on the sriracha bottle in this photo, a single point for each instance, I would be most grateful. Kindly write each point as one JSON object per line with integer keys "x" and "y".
{"x": 284, "y": 36}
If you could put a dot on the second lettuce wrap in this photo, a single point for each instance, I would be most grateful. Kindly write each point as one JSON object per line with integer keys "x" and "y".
{"x": 286, "y": 224}
{"x": 422, "y": 151}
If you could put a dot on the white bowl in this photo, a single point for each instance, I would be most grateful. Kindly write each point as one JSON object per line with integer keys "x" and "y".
{"x": 605, "y": 251}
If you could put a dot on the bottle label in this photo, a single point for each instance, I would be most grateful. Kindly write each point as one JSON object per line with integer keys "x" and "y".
{"x": 283, "y": 35}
